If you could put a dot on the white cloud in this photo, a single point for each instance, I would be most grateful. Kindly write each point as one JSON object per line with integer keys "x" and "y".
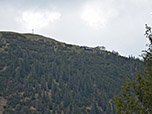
{"x": 38, "y": 19}
{"x": 116, "y": 24}
{"x": 97, "y": 13}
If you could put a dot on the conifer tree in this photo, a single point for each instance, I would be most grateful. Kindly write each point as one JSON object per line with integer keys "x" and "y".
{"x": 136, "y": 96}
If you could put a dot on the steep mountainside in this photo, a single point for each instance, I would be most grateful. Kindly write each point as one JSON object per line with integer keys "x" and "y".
{"x": 39, "y": 75}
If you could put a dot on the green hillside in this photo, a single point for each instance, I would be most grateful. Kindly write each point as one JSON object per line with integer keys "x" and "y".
{"x": 39, "y": 75}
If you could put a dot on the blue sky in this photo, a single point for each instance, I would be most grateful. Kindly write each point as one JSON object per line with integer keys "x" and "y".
{"x": 116, "y": 24}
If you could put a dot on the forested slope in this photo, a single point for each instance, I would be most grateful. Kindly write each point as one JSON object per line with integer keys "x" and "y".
{"x": 39, "y": 75}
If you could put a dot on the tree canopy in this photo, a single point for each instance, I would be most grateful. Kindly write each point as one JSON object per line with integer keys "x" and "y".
{"x": 136, "y": 96}
{"x": 39, "y": 75}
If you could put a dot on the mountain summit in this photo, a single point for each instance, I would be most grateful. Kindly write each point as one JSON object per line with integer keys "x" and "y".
{"x": 39, "y": 75}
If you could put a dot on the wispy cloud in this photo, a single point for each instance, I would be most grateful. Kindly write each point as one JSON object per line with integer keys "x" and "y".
{"x": 98, "y": 13}
{"x": 38, "y": 18}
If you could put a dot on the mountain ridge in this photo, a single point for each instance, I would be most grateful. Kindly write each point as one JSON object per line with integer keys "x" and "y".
{"x": 42, "y": 37}
{"x": 41, "y": 75}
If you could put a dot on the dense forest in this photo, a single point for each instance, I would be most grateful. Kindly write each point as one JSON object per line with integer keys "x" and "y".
{"x": 39, "y": 75}
{"x": 135, "y": 96}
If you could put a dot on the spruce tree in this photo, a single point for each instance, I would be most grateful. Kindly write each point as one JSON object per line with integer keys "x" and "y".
{"x": 136, "y": 96}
